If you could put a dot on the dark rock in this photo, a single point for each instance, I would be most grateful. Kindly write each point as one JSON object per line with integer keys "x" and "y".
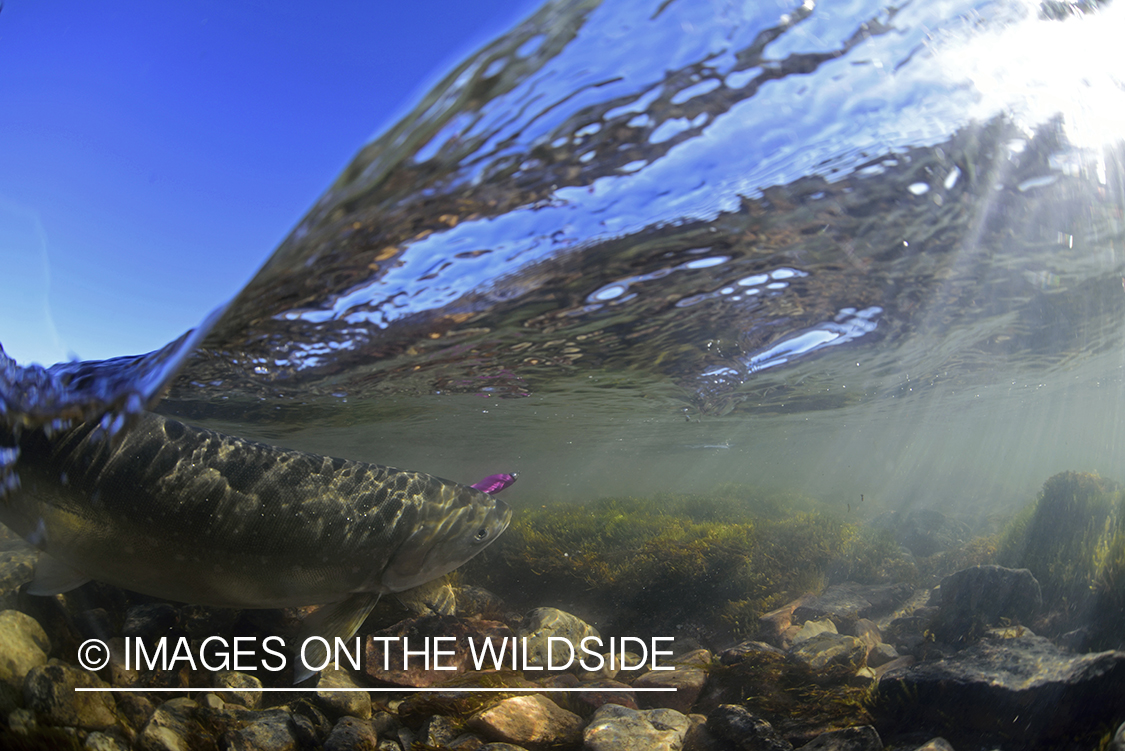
{"x": 309, "y": 719}
{"x": 135, "y": 709}
{"x": 862, "y": 738}
{"x": 983, "y": 595}
{"x": 531, "y": 720}
{"x": 149, "y": 621}
{"x": 175, "y": 726}
{"x": 881, "y": 654}
{"x": 847, "y": 602}
{"x": 617, "y": 728}
{"x": 247, "y": 689}
{"x": 48, "y": 690}
{"x": 387, "y": 666}
{"x": 745, "y": 730}
{"x": 351, "y": 734}
{"x": 924, "y": 532}
{"x": 1023, "y": 690}
{"x": 438, "y": 730}
{"x": 23, "y": 646}
{"x": 753, "y": 651}
{"x": 699, "y": 738}
{"x": 271, "y": 730}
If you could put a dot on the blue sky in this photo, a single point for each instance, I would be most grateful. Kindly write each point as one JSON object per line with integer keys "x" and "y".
{"x": 153, "y": 154}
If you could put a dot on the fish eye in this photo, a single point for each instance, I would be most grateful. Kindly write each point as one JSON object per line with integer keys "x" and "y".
{"x": 481, "y": 534}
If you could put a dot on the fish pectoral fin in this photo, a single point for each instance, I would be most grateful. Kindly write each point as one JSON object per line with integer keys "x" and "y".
{"x": 434, "y": 597}
{"x": 54, "y": 578}
{"x": 337, "y": 620}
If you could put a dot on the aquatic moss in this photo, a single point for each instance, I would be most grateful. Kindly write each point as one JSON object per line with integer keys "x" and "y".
{"x": 1072, "y": 538}
{"x": 658, "y": 563}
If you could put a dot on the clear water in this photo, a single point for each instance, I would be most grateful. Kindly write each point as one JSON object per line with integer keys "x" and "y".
{"x": 637, "y": 247}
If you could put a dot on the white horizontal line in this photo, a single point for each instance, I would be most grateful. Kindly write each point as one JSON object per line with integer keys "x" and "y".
{"x": 402, "y": 689}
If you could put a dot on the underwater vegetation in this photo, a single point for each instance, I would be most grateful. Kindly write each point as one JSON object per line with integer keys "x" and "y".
{"x": 1072, "y": 538}
{"x": 705, "y": 563}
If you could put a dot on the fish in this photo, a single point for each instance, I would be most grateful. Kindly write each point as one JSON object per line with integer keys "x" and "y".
{"x": 192, "y": 515}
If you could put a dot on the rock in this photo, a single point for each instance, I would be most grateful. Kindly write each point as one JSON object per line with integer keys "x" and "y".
{"x": 272, "y": 730}
{"x": 687, "y": 680}
{"x": 99, "y": 741}
{"x": 310, "y": 724}
{"x": 432, "y": 598}
{"x": 22, "y": 722}
{"x": 150, "y": 620}
{"x": 745, "y": 730}
{"x": 867, "y": 632}
{"x": 438, "y": 730}
{"x": 478, "y": 602}
{"x": 829, "y": 649}
{"x": 351, "y": 734}
{"x": 617, "y": 728}
{"x": 48, "y": 690}
{"x": 501, "y": 747}
{"x": 900, "y": 663}
{"x": 811, "y": 629}
{"x": 862, "y": 738}
{"x": 752, "y": 651}
{"x": 248, "y": 691}
{"x": 699, "y": 738}
{"x": 135, "y": 709}
{"x": 541, "y": 624}
{"x": 175, "y": 727}
{"x": 23, "y": 646}
{"x": 941, "y": 744}
{"x": 532, "y": 720}
{"x": 772, "y": 626}
{"x": 586, "y": 703}
{"x": 981, "y": 596}
{"x": 847, "y": 602}
{"x": 388, "y": 666}
{"x": 1025, "y": 690}
{"x": 341, "y": 703}
{"x": 881, "y": 654}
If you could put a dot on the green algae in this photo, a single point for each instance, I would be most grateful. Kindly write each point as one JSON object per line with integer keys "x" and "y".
{"x": 1072, "y": 539}
{"x": 713, "y": 561}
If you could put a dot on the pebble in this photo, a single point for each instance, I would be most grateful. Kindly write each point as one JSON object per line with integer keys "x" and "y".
{"x": 541, "y": 624}
{"x": 532, "y": 720}
{"x": 273, "y": 730}
{"x": 342, "y": 703}
{"x": 828, "y": 648}
{"x": 351, "y": 734}
{"x": 617, "y": 728}
{"x": 173, "y": 727}
{"x": 744, "y": 729}
{"x": 687, "y": 680}
{"x": 941, "y": 744}
{"x": 249, "y": 693}
{"x": 23, "y": 646}
{"x": 811, "y": 629}
{"x": 49, "y": 691}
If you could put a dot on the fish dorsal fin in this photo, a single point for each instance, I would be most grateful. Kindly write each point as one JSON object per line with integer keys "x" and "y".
{"x": 339, "y": 619}
{"x": 54, "y": 578}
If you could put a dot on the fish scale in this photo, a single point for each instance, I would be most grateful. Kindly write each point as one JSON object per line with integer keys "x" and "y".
{"x": 189, "y": 514}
